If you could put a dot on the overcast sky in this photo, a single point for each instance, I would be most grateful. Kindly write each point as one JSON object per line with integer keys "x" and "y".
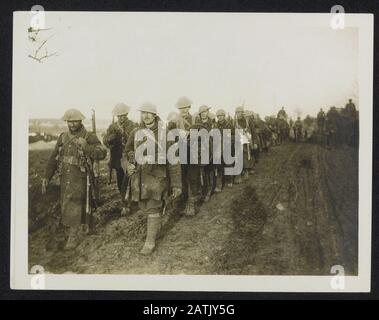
{"x": 214, "y": 59}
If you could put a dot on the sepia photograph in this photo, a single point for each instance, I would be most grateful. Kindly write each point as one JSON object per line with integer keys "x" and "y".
{"x": 191, "y": 151}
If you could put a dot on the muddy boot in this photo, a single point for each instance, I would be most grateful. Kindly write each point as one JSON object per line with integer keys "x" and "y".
{"x": 238, "y": 179}
{"x": 208, "y": 196}
{"x": 190, "y": 208}
{"x": 125, "y": 211}
{"x": 218, "y": 188}
{"x": 245, "y": 174}
{"x": 153, "y": 227}
{"x": 72, "y": 240}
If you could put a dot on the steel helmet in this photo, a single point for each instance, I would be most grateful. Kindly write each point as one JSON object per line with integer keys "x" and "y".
{"x": 220, "y": 112}
{"x": 183, "y": 102}
{"x": 172, "y": 116}
{"x": 148, "y": 107}
{"x": 203, "y": 108}
{"x": 239, "y": 109}
{"x": 73, "y": 115}
{"x": 120, "y": 109}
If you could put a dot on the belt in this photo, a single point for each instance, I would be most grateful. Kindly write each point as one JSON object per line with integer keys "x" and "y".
{"x": 71, "y": 160}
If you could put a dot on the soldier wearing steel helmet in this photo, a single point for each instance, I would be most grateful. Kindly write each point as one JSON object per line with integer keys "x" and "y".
{"x": 151, "y": 184}
{"x": 205, "y": 172}
{"x": 223, "y": 123}
{"x": 72, "y": 153}
{"x": 243, "y": 122}
{"x": 115, "y": 140}
{"x": 190, "y": 181}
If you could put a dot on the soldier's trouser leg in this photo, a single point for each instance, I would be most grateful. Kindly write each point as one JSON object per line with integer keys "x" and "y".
{"x": 208, "y": 182}
{"x": 125, "y": 203}
{"x": 194, "y": 187}
{"x": 120, "y": 178}
{"x": 152, "y": 208}
{"x": 73, "y": 237}
{"x": 219, "y": 172}
{"x": 184, "y": 172}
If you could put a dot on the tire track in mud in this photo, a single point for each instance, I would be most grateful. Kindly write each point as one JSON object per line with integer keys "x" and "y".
{"x": 253, "y": 211}
{"x": 343, "y": 221}
{"x": 304, "y": 217}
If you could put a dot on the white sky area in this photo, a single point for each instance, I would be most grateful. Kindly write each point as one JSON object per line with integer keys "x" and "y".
{"x": 216, "y": 59}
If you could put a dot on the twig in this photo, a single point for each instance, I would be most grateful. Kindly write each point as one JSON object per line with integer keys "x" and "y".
{"x": 44, "y": 57}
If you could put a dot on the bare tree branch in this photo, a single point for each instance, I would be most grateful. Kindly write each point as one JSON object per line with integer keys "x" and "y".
{"x": 43, "y": 57}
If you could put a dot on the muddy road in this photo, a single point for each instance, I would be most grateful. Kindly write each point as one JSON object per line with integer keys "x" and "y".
{"x": 297, "y": 215}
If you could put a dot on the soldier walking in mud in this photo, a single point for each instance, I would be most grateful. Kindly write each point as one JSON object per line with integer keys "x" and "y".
{"x": 223, "y": 124}
{"x": 321, "y": 119}
{"x": 243, "y": 122}
{"x": 298, "y": 129}
{"x": 282, "y": 114}
{"x": 352, "y": 124}
{"x": 331, "y": 127}
{"x": 150, "y": 184}
{"x": 115, "y": 140}
{"x": 72, "y": 159}
{"x": 206, "y": 172}
{"x": 190, "y": 178}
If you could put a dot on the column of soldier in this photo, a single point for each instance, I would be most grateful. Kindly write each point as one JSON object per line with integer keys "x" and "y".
{"x": 152, "y": 186}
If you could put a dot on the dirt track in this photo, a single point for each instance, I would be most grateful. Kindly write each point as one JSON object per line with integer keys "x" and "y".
{"x": 298, "y": 214}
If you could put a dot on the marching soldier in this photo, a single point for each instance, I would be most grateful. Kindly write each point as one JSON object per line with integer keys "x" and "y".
{"x": 150, "y": 184}
{"x": 298, "y": 128}
{"x": 243, "y": 122}
{"x": 351, "y": 124}
{"x": 115, "y": 139}
{"x": 206, "y": 171}
{"x": 350, "y": 110}
{"x": 190, "y": 178}
{"x": 321, "y": 118}
{"x": 221, "y": 124}
{"x": 332, "y": 127}
{"x": 282, "y": 114}
{"x": 72, "y": 159}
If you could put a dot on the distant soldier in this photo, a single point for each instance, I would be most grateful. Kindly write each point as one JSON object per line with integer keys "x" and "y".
{"x": 282, "y": 114}
{"x": 223, "y": 124}
{"x": 282, "y": 126}
{"x": 298, "y": 129}
{"x": 350, "y": 110}
{"x": 243, "y": 122}
{"x": 72, "y": 159}
{"x": 352, "y": 124}
{"x": 115, "y": 139}
{"x": 321, "y": 118}
{"x": 332, "y": 127}
{"x": 150, "y": 184}
{"x": 256, "y": 135}
{"x": 206, "y": 171}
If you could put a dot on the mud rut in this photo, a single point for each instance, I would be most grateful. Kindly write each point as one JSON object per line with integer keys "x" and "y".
{"x": 296, "y": 215}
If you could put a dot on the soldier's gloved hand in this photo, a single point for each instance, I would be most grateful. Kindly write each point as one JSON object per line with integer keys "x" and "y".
{"x": 44, "y": 185}
{"x": 130, "y": 168}
{"x": 82, "y": 142}
{"x": 176, "y": 192}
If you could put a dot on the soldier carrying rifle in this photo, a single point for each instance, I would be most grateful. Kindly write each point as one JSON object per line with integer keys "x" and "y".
{"x": 115, "y": 139}
{"x": 72, "y": 158}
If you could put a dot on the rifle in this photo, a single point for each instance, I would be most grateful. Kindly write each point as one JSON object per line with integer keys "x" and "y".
{"x": 132, "y": 160}
{"x": 91, "y": 203}
{"x": 96, "y": 163}
{"x": 110, "y": 162}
